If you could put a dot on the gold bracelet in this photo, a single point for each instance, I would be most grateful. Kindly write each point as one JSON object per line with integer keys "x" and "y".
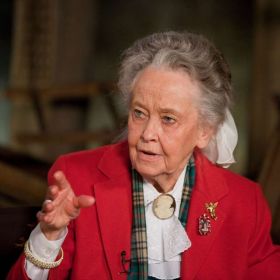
{"x": 38, "y": 262}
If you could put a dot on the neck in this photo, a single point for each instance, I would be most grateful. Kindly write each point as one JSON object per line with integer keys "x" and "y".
{"x": 165, "y": 182}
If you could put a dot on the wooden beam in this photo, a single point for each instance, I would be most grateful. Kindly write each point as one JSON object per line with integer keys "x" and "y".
{"x": 74, "y": 137}
{"x": 64, "y": 92}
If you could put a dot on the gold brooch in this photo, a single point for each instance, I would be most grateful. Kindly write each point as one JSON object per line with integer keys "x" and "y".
{"x": 211, "y": 208}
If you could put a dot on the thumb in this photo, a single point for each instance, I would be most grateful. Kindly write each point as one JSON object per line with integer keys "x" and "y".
{"x": 84, "y": 201}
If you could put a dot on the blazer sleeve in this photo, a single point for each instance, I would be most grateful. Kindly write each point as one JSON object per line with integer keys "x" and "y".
{"x": 263, "y": 256}
{"x": 61, "y": 272}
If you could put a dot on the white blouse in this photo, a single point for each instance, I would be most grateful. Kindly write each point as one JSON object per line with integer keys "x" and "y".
{"x": 166, "y": 239}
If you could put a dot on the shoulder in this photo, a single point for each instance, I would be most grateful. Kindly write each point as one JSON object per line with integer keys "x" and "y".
{"x": 92, "y": 156}
{"x": 86, "y": 164}
{"x": 238, "y": 186}
{"x": 237, "y": 181}
{"x": 246, "y": 194}
{"x": 245, "y": 197}
{"x": 239, "y": 197}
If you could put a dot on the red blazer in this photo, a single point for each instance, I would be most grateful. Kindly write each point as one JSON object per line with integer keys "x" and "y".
{"x": 238, "y": 247}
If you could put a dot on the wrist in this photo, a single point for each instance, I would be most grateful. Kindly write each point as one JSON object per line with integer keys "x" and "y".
{"x": 50, "y": 233}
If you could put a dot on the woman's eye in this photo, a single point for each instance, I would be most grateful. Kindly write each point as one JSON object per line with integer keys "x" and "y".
{"x": 168, "y": 120}
{"x": 138, "y": 114}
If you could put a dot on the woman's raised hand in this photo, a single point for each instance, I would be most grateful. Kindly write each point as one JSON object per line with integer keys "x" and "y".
{"x": 60, "y": 207}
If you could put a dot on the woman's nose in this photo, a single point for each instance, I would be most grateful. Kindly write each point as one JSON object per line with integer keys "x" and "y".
{"x": 150, "y": 131}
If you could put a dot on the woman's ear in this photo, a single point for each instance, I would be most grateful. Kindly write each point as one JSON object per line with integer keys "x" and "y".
{"x": 205, "y": 133}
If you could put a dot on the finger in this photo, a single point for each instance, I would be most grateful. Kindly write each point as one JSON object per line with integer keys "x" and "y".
{"x": 61, "y": 180}
{"x": 47, "y": 206}
{"x": 45, "y": 217}
{"x": 83, "y": 201}
{"x": 60, "y": 195}
{"x": 40, "y": 216}
{"x": 56, "y": 195}
{"x": 52, "y": 192}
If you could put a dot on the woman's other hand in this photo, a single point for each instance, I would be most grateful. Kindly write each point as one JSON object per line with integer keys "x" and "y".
{"x": 60, "y": 207}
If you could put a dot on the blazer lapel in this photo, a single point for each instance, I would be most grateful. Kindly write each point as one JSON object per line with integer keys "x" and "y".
{"x": 209, "y": 187}
{"x": 114, "y": 208}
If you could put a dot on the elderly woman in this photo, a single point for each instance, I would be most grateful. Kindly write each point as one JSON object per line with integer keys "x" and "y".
{"x": 159, "y": 205}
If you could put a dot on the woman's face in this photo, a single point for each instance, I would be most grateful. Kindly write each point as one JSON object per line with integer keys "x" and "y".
{"x": 163, "y": 124}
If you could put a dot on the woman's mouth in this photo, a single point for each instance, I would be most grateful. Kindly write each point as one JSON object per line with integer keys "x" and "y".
{"x": 148, "y": 155}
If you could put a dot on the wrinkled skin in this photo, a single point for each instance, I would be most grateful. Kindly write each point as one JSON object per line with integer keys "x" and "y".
{"x": 164, "y": 125}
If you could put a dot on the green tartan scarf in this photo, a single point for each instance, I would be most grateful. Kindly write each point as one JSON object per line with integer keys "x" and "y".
{"x": 139, "y": 250}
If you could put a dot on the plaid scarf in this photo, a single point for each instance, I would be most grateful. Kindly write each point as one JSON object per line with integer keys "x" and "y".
{"x": 139, "y": 250}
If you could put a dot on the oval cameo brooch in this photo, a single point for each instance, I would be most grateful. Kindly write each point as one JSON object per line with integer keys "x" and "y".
{"x": 164, "y": 206}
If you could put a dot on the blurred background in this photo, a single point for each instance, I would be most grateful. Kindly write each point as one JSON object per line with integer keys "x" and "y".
{"x": 58, "y": 67}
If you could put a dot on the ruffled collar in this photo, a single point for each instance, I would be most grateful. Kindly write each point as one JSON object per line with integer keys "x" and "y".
{"x": 166, "y": 239}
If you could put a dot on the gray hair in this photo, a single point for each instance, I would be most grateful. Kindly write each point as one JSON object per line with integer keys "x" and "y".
{"x": 185, "y": 51}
